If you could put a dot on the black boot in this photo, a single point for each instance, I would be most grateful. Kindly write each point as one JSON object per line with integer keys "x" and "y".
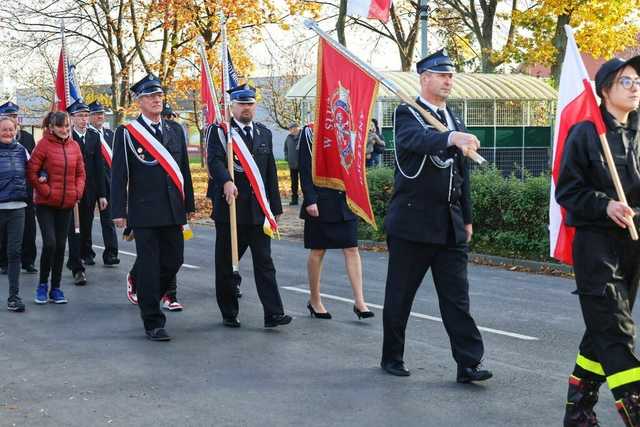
{"x": 581, "y": 398}
{"x": 629, "y": 409}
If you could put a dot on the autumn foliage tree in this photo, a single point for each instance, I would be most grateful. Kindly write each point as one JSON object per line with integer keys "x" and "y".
{"x": 603, "y": 27}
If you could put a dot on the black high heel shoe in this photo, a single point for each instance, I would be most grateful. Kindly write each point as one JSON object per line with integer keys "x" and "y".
{"x": 363, "y": 314}
{"x": 317, "y": 315}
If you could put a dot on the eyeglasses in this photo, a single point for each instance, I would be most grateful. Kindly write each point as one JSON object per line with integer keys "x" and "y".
{"x": 628, "y": 82}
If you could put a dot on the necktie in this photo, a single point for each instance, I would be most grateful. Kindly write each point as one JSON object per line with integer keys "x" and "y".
{"x": 248, "y": 137}
{"x": 156, "y": 131}
{"x": 442, "y": 116}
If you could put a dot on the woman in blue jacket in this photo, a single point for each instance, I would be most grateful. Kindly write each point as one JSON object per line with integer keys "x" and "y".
{"x": 13, "y": 197}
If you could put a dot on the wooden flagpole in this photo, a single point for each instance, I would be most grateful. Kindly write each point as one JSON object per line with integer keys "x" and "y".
{"x": 67, "y": 101}
{"x": 235, "y": 263}
{"x": 389, "y": 84}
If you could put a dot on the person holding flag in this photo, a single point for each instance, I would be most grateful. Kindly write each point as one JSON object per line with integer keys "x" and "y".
{"x": 89, "y": 142}
{"x": 606, "y": 259}
{"x": 109, "y": 236}
{"x": 152, "y": 192}
{"x": 429, "y": 223}
{"x": 254, "y": 187}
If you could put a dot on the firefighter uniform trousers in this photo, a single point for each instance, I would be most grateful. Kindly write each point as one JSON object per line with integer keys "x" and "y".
{"x": 607, "y": 268}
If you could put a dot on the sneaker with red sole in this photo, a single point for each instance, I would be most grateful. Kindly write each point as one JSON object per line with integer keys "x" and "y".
{"x": 131, "y": 290}
{"x": 171, "y": 303}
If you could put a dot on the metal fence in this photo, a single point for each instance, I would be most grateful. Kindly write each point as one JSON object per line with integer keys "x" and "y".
{"x": 510, "y": 161}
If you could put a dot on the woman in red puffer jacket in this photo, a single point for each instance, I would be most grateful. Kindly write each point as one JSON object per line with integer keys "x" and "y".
{"x": 56, "y": 172}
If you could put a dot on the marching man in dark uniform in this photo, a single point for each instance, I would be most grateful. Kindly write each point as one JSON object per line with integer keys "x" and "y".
{"x": 94, "y": 190}
{"x": 152, "y": 193}
{"x": 29, "y": 250}
{"x": 250, "y": 218}
{"x": 428, "y": 223}
{"x": 109, "y": 237}
{"x": 606, "y": 260}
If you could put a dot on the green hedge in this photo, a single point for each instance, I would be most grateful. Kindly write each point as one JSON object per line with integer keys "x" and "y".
{"x": 510, "y": 215}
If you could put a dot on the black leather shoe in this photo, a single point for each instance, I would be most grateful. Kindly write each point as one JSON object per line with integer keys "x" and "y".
{"x": 157, "y": 334}
{"x": 277, "y": 320}
{"x": 231, "y": 322}
{"x": 30, "y": 269}
{"x": 111, "y": 261}
{"x": 79, "y": 278}
{"x": 395, "y": 368}
{"x": 89, "y": 261}
{"x": 474, "y": 373}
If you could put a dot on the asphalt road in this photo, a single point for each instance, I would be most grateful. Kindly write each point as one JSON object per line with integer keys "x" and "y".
{"x": 87, "y": 363}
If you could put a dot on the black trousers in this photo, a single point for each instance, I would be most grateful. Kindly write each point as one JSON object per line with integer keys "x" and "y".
{"x": 295, "y": 175}
{"x": 29, "y": 250}
{"x": 408, "y": 264}
{"x": 607, "y": 267}
{"x": 264, "y": 272}
{"x": 54, "y": 224}
{"x": 78, "y": 242}
{"x": 172, "y": 286}
{"x": 160, "y": 253}
{"x": 109, "y": 235}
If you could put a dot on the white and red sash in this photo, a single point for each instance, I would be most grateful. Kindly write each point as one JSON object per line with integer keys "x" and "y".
{"x": 107, "y": 154}
{"x": 158, "y": 151}
{"x": 252, "y": 173}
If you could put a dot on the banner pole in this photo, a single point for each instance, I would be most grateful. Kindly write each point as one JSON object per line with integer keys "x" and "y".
{"x": 389, "y": 84}
{"x": 233, "y": 224}
{"x": 617, "y": 184}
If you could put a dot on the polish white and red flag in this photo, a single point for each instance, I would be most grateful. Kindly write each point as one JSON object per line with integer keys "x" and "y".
{"x": 576, "y": 103}
{"x": 372, "y": 9}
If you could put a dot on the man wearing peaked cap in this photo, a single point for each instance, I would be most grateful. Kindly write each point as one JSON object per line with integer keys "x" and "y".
{"x": 243, "y": 94}
{"x": 250, "y": 217}
{"x": 428, "y": 223}
{"x": 109, "y": 236}
{"x": 148, "y": 196}
{"x": 29, "y": 250}
{"x": 167, "y": 112}
{"x": 437, "y": 62}
{"x": 80, "y": 251}
{"x": 149, "y": 85}
{"x": 9, "y": 108}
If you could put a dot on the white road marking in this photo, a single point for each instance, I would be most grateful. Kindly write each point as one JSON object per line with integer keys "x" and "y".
{"x": 418, "y": 315}
{"x": 193, "y": 267}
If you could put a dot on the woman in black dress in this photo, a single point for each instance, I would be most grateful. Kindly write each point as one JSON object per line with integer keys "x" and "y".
{"x": 328, "y": 224}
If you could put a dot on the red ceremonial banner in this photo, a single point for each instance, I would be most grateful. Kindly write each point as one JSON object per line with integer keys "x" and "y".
{"x": 345, "y": 96}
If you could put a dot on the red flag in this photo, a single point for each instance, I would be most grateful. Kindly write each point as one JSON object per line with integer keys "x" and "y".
{"x": 62, "y": 95}
{"x": 576, "y": 103}
{"x": 345, "y": 99}
{"x": 372, "y": 9}
{"x": 211, "y": 109}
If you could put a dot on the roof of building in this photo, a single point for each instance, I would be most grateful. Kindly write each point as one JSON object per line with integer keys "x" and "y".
{"x": 467, "y": 86}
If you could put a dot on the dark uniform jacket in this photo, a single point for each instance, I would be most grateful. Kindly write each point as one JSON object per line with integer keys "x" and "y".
{"x": 152, "y": 200}
{"x": 584, "y": 186}
{"x": 332, "y": 204}
{"x": 93, "y": 165}
{"x": 108, "y": 137}
{"x": 435, "y": 206}
{"x": 247, "y": 209}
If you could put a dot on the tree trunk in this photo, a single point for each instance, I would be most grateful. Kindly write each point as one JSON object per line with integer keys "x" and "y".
{"x": 560, "y": 43}
{"x": 340, "y": 25}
